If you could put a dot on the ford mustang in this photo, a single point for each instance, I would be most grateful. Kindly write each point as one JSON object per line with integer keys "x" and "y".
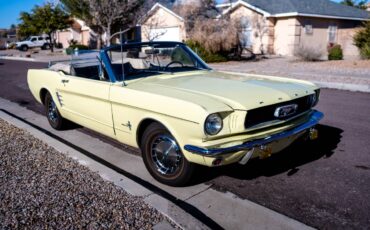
{"x": 162, "y": 98}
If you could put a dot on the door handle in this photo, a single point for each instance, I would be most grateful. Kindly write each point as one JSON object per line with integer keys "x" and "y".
{"x": 65, "y": 81}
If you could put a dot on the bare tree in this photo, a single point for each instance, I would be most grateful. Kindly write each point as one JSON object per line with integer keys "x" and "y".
{"x": 149, "y": 22}
{"x": 205, "y": 27}
{"x": 143, "y": 11}
{"x": 150, "y": 29}
{"x": 195, "y": 11}
{"x": 249, "y": 27}
{"x": 106, "y": 13}
{"x": 260, "y": 27}
{"x": 103, "y": 16}
{"x": 219, "y": 35}
{"x": 81, "y": 10}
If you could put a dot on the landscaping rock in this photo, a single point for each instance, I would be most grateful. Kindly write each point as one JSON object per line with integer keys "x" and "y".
{"x": 41, "y": 188}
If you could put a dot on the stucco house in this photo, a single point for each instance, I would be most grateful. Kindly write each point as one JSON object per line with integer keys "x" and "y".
{"x": 161, "y": 23}
{"x": 7, "y": 36}
{"x": 84, "y": 35}
{"x": 78, "y": 32}
{"x": 272, "y": 26}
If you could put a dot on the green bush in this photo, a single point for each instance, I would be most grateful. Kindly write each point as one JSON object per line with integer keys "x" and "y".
{"x": 71, "y": 48}
{"x": 179, "y": 55}
{"x": 365, "y": 51}
{"x": 206, "y": 55}
{"x": 362, "y": 41}
{"x": 335, "y": 53}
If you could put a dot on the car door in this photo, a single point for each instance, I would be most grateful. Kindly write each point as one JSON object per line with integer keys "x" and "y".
{"x": 40, "y": 41}
{"x": 33, "y": 42}
{"x": 86, "y": 102}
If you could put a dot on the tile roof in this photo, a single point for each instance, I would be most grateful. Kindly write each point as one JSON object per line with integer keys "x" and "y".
{"x": 169, "y": 4}
{"x": 316, "y": 7}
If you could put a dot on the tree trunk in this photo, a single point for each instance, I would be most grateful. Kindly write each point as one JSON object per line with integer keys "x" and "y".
{"x": 262, "y": 47}
{"x": 98, "y": 41}
{"x": 107, "y": 38}
{"x": 51, "y": 42}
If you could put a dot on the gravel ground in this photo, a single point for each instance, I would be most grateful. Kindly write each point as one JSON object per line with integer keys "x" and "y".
{"x": 344, "y": 71}
{"x": 41, "y": 188}
{"x": 37, "y": 53}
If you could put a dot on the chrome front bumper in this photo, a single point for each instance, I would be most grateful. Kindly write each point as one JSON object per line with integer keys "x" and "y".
{"x": 313, "y": 120}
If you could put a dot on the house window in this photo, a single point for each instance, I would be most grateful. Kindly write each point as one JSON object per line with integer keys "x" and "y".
{"x": 308, "y": 29}
{"x": 332, "y": 34}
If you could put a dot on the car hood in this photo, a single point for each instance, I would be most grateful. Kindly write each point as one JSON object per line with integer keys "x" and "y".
{"x": 237, "y": 91}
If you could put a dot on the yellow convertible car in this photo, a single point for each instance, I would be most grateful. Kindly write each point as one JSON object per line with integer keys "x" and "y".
{"x": 162, "y": 98}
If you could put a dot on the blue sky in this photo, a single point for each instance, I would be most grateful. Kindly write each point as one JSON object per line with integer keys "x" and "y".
{"x": 10, "y": 9}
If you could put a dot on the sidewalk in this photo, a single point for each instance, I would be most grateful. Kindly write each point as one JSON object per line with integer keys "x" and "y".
{"x": 346, "y": 74}
{"x": 34, "y": 55}
{"x": 193, "y": 207}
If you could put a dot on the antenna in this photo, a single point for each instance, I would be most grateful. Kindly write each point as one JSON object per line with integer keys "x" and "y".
{"x": 121, "y": 39}
{"x": 121, "y": 42}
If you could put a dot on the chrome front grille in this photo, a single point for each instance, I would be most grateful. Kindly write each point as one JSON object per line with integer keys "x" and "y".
{"x": 266, "y": 114}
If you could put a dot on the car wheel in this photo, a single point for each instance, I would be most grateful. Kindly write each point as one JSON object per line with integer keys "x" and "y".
{"x": 46, "y": 47}
{"x": 55, "y": 119}
{"x": 24, "y": 48}
{"x": 163, "y": 157}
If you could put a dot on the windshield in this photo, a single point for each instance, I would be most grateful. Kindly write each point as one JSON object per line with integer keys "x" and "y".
{"x": 148, "y": 59}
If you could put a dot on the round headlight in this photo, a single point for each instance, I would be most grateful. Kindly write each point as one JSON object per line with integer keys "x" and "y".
{"x": 315, "y": 98}
{"x": 213, "y": 124}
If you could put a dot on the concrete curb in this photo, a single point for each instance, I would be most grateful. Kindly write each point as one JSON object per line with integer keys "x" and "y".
{"x": 41, "y": 60}
{"x": 18, "y": 58}
{"x": 343, "y": 86}
{"x": 226, "y": 209}
{"x": 329, "y": 85}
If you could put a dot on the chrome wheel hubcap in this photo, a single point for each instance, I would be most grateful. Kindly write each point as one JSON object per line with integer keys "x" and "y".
{"x": 166, "y": 155}
{"x": 52, "y": 111}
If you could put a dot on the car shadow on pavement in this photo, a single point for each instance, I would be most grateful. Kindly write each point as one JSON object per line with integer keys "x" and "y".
{"x": 298, "y": 154}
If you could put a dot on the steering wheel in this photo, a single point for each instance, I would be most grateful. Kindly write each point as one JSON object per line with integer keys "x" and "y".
{"x": 174, "y": 62}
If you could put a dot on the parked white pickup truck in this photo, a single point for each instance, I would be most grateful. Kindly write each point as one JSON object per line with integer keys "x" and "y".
{"x": 33, "y": 42}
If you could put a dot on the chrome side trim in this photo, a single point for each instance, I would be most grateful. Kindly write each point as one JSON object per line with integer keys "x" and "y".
{"x": 313, "y": 120}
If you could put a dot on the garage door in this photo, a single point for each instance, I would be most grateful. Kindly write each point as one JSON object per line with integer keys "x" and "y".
{"x": 166, "y": 34}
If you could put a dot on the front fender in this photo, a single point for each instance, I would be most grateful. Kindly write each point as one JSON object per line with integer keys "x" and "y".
{"x": 39, "y": 80}
{"x": 182, "y": 131}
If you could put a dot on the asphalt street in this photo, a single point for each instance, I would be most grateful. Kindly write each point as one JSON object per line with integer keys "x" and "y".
{"x": 324, "y": 183}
